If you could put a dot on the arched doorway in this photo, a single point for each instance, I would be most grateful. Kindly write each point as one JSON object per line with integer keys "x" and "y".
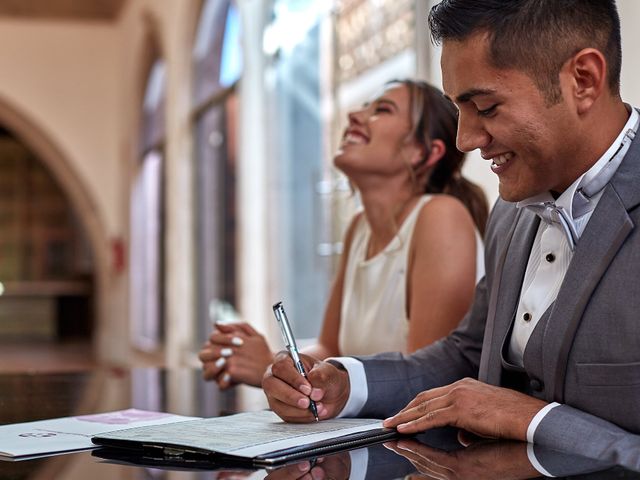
{"x": 52, "y": 250}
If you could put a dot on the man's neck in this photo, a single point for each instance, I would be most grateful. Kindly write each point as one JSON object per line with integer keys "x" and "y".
{"x": 599, "y": 130}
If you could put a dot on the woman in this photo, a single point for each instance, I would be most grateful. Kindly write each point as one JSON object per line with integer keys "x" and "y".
{"x": 412, "y": 257}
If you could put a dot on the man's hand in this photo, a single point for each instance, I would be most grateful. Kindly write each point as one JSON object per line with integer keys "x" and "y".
{"x": 504, "y": 460}
{"x": 288, "y": 392}
{"x": 471, "y": 405}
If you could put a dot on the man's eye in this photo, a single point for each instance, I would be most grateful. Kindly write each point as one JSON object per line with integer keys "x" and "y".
{"x": 487, "y": 111}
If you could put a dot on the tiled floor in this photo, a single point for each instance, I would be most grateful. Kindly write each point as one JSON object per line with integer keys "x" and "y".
{"x": 45, "y": 356}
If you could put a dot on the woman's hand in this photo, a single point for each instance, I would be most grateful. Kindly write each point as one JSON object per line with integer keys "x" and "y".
{"x": 235, "y": 353}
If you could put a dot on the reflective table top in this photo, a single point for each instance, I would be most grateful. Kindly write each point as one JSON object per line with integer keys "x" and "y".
{"x": 435, "y": 454}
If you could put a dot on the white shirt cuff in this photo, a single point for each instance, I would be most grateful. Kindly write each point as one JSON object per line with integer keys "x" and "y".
{"x": 358, "y": 393}
{"x": 531, "y": 454}
{"x": 531, "y": 430}
{"x": 359, "y": 463}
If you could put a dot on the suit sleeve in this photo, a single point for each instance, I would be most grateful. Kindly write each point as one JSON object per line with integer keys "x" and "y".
{"x": 574, "y": 431}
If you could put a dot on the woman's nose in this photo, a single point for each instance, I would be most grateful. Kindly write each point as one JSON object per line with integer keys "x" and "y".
{"x": 356, "y": 117}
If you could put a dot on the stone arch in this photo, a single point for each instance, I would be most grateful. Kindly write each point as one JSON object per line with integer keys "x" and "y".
{"x": 51, "y": 155}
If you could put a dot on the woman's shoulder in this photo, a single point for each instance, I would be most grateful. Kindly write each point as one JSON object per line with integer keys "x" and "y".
{"x": 444, "y": 208}
{"x": 443, "y": 214}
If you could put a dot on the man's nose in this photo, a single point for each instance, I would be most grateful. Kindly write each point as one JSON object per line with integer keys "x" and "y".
{"x": 471, "y": 134}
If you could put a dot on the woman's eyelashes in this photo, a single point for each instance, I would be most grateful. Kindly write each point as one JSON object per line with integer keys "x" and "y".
{"x": 383, "y": 109}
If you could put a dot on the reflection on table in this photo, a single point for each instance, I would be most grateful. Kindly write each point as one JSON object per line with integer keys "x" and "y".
{"x": 435, "y": 454}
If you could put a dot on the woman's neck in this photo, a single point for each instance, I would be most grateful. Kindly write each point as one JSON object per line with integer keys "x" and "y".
{"x": 385, "y": 211}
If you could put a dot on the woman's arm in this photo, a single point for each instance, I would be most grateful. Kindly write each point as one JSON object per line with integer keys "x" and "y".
{"x": 441, "y": 270}
{"x": 327, "y": 345}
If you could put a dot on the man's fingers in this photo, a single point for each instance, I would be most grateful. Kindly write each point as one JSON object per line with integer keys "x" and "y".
{"x": 283, "y": 369}
{"x": 286, "y": 385}
{"x": 432, "y": 419}
{"x": 420, "y": 419}
{"x": 427, "y": 395}
{"x": 289, "y": 413}
{"x": 423, "y": 409}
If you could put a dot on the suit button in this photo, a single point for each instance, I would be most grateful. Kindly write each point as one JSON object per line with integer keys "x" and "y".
{"x": 526, "y": 317}
{"x": 550, "y": 257}
{"x": 536, "y": 385}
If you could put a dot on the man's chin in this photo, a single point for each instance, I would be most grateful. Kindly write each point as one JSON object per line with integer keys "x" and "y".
{"x": 511, "y": 195}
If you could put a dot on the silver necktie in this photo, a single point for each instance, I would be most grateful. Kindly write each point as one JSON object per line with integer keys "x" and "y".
{"x": 552, "y": 214}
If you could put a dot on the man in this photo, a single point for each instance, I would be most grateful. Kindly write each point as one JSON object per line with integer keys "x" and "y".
{"x": 553, "y": 335}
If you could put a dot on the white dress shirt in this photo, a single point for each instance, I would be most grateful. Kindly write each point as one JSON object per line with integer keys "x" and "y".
{"x": 548, "y": 263}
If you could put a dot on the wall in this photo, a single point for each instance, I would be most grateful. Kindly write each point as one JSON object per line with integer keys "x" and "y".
{"x": 60, "y": 88}
{"x": 630, "y": 78}
{"x": 61, "y": 76}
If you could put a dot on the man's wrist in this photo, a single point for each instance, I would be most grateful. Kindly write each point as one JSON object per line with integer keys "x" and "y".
{"x": 357, "y": 391}
{"x": 336, "y": 364}
{"x": 343, "y": 379}
{"x": 537, "y": 418}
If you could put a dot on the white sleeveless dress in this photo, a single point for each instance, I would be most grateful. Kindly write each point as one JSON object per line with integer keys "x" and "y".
{"x": 373, "y": 316}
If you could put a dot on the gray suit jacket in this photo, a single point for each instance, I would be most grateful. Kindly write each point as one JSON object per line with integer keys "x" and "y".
{"x": 584, "y": 352}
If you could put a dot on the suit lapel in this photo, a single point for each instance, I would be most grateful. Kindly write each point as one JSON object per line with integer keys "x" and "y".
{"x": 512, "y": 274}
{"x": 605, "y": 233}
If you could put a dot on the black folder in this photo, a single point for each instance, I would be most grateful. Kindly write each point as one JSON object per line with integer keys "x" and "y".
{"x": 257, "y": 439}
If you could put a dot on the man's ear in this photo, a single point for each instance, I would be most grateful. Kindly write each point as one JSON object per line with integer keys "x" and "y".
{"x": 587, "y": 74}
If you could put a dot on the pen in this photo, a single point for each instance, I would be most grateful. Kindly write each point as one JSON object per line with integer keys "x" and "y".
{"x": 290, "y": 344}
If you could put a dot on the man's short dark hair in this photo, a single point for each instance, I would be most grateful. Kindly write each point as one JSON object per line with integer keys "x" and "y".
{"x": 535, "y": 36}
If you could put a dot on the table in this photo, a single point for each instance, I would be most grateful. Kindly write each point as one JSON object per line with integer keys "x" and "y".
{"x": 435, "y": 454}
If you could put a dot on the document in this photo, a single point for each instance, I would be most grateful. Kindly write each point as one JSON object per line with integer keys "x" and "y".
{"x": 22, "y": 441}
{"x": 259, "y": 438}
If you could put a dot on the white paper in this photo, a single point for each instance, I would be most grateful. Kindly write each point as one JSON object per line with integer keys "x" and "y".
{"x": 246, "y": 434}
{"x": 60, "y": 435}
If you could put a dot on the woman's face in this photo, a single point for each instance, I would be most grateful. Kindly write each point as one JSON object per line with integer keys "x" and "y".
{"x": 377, "y": 139}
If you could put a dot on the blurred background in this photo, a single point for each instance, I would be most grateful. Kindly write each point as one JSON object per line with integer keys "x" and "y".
{"x": 168, "y": 163}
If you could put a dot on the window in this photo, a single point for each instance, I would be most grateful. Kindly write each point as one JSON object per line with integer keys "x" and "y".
{"x": 217, "y": 65}
{"x": 297, "y": 129}
{"x": 147, "y": 226}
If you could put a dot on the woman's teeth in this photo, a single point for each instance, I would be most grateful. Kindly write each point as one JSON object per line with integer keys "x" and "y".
{"x": 354, "y": 138}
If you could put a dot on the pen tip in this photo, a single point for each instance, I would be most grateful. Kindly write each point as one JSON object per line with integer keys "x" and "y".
{"x": 317, "y": 419}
